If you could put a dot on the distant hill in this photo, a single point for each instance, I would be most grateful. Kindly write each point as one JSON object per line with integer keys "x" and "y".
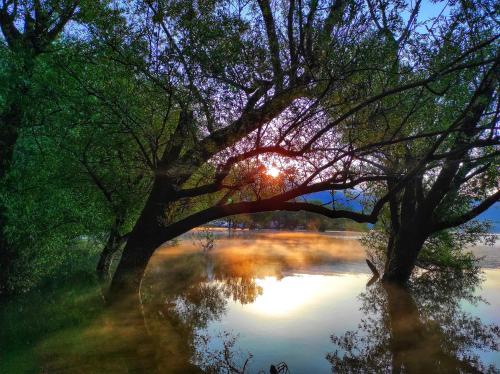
{"x": 492, "y": 214}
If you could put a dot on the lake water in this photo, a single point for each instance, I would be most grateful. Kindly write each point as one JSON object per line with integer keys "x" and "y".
{"x": 302, "y": 301}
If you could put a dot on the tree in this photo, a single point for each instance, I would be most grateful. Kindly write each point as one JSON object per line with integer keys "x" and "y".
{"x": 207, "y": 97}
{"x": 122, "y": 126}
{"x": 254, "y": 88}
{"x": 449, "y": 178}
{"x": 82, "y": 158}
{"x": 42, "y": 23}
{"x": 293, "y": 93}
{"x": 444, "y": 187}
{"x": 75, "y": 177}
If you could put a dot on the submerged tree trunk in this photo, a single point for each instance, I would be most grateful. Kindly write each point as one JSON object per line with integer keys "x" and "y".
{"x": 402, "y": 254}
{"x": 103, "y": 265}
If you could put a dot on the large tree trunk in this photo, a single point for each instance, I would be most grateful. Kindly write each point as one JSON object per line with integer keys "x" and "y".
{"x": 402, "y": 254}
{"x": 146, "y": 236}
{"x": 407, "y": 235}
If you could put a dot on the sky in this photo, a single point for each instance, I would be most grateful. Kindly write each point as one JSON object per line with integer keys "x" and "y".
{"x": 492, "y": 214}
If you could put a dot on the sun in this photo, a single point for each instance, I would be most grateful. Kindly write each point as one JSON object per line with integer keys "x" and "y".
{"x": 273, "y": 171}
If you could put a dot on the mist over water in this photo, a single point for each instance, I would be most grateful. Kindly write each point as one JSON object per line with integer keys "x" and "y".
{"x": 261, "y": 299}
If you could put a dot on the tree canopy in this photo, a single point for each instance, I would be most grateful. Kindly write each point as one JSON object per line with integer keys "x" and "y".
{"x": 133, "y": 122}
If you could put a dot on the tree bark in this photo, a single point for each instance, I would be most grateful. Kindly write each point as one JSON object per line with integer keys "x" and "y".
{"x": 146, "y": 236}
{"x": 407, "y": 234}
{"x": 402, "y": 256}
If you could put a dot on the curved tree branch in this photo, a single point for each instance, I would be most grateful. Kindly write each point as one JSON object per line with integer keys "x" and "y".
{"x": 473, "y": 213}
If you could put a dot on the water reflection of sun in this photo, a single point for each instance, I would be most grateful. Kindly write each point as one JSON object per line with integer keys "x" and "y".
{"x": 285, "y": 296}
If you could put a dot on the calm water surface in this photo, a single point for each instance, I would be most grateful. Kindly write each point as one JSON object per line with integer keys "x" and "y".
{"x": 302, "y": 299}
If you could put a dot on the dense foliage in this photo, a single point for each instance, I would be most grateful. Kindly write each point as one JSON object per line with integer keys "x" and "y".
{"x": 125, "y": 124}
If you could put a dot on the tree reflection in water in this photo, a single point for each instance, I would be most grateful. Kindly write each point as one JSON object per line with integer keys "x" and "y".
{"x": 179, "y": 304}
{"x": 417, "y": 330}
{"x": 186, "y": 290}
